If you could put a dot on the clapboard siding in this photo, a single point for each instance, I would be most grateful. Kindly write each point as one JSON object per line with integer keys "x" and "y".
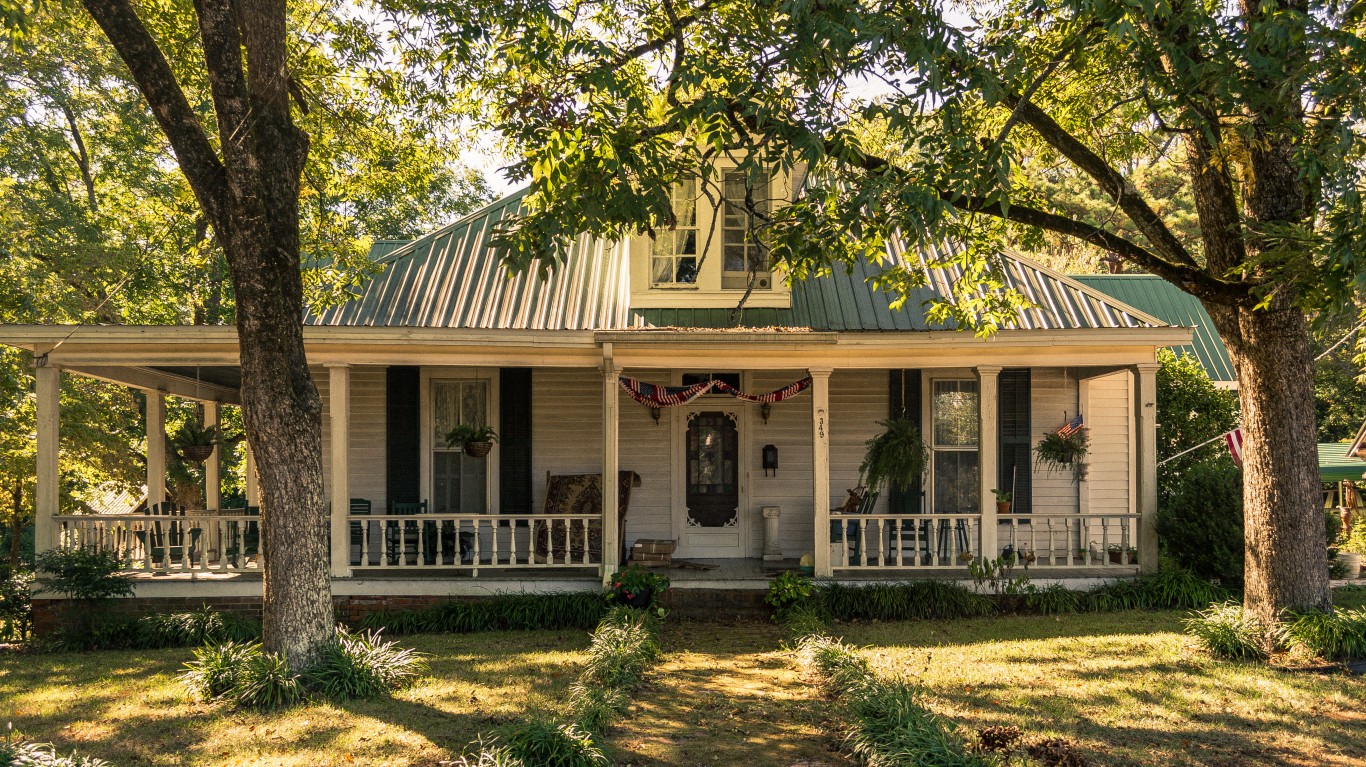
{"x": 643, "y": 447}
{"x": 367, "y": 475}
{"x": 566, "y": 407}
{"x": 1107, "y": 418}
{"x": 1054, "y": 394}
{"x": 788, "y": 429}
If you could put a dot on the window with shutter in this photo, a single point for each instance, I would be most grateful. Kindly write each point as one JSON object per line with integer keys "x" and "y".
{"x": 1016, "y": 439}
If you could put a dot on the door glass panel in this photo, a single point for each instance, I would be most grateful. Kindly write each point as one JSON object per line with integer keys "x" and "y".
{"x": 713, "y": 495}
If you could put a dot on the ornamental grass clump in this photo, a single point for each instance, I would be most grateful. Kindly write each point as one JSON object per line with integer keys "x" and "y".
{"x": 351, "y": 667}
{"x": 1225, "y": 631}
{"x": 1337, "y": 635}
{"x": 551, "y": 744}
{"x": 362, "y": 666}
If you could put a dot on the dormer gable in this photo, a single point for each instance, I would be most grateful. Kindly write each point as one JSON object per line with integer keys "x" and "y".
{"x": 712, "y": 255}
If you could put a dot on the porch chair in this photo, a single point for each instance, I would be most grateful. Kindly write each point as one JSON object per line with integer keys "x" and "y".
{"x": 244, "y": 538}
{"x": 398, "y": 543}
{"x": 161, "y": 539}
{"x": 360, "y": 532}
{"x": 579, "y": 494}
{"x": 859, "y": 501}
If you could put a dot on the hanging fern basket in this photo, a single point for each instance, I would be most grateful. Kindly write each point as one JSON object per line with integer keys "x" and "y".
{"x": 196, "y": 453}
{"x": 478, "y": 449}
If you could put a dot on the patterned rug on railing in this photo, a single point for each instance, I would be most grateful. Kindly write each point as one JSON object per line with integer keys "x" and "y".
{"x": 578, "y": 494}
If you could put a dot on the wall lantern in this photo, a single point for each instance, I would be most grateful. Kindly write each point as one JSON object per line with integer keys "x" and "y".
{"x": 654, "y": 413}
{"x": 770, "y": 459}
{"x": 765, "y": 410}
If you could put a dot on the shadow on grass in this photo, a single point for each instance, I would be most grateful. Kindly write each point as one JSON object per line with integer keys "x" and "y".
{"x": 1128, "y": 686}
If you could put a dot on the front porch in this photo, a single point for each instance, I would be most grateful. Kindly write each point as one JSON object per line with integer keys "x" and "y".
{"x": 411, "y": 513}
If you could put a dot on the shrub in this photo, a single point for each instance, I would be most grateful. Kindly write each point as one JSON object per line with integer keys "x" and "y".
{"x": 507, "y": 612}
{"x": 1054, "y": 599}
{"x": 787, "y": 591}
{"x": 1338, "y": 635}
{"x": 16, "y": 606}
{"x": 357, "y": 666}
{"x": 488, "y": 755}
{"x": 546, "y": 744}
{"x": 918, "y": 600}
{"x": 1200, "y": 521}
{"x": 45, "y": 755}
{"x": 803, "y": 620}
{"x": 215, "y": 670}
{"x": 623, "y": 647}
{"x": 84, "y": 573}
{"x": 265, "y": 682}
{"x": 152, "y": 632}
{"x": 595, "y": 707}
{"x": 1225, "y": 631}
{"x": 1166, "y": 589}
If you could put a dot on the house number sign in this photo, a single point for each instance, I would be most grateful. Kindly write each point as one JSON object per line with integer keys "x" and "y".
{"x": 820, "y": 423}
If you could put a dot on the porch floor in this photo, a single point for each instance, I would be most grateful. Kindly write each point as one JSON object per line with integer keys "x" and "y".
{"x": 734, "y": 574}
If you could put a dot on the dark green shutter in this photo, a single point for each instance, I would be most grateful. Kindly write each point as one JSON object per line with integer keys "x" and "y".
{"x": 403, "y": 433}
{"x": 514, "y": 441}
{"x": 903, "y": 397}
{"x": 1016, "y": 438}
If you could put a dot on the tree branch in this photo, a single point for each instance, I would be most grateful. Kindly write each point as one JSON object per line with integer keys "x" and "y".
{"x": 657, "y": 43}
{"x": 1134, "y": 206}
{"x": 218, "y": 30}
{"x": 79, "y": 154}
{"x": 172, "y": 110}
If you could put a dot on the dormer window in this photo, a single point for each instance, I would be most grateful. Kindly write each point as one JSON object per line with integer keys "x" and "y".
{"x": 744, "y": 254}
{"x": 673, "y": 261}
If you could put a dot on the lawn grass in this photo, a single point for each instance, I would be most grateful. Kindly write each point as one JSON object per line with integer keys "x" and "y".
{"x": 1127, "y": 686}
{"x": 128, "y": 707}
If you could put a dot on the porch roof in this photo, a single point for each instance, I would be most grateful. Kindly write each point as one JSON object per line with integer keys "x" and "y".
{"x": 452, "y": 278}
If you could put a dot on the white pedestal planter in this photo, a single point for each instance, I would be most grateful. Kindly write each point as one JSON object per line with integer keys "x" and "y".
{"x": 1352, "y": 562}
{"x": 773, "y": 551}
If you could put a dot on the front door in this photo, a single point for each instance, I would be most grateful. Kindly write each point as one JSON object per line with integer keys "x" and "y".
{"x": 712, "y": 525}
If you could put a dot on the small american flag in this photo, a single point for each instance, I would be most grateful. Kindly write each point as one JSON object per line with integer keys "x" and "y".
{"x": 1071, "y": 427}
{"x": 1234, "y": 440}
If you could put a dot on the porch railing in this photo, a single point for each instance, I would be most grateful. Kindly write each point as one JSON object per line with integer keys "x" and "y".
{"x": 903, "y": 540}
{"x": 219, "y": 542}
{"x": 950, "y": 541}
{"x": 474, "y": 541}
{"x": 1071, "y": 540}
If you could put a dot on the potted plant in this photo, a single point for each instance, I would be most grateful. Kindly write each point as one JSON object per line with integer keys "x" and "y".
{"x": 1351, "y": 551}
{"x": 1058, "y": 452}
{"x": 896, "y": 457}
{"x": 477, "y": 441}
{"x": 195, "y": 443}
{"x": 638, "y": 586}
{"x": 1117, "y": 554}
{"x": 1002, "y": 500}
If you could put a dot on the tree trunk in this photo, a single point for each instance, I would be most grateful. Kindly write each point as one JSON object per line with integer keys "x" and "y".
{"x": 1283, "y": 517}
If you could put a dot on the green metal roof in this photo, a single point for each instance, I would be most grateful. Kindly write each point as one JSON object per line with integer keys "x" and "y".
{"x": 1170, "y": 304}
{"x": 1336, "y": 465}
{"x": 453, "y": 278}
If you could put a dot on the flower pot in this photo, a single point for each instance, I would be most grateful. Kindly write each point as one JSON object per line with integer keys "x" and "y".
{"x": 196, "y": 453}
{"x": 1352, "y": 561}
{"x": 638, "y": 599}
{"x": 478, "y": 449}
{"x": 1003, "y": 507}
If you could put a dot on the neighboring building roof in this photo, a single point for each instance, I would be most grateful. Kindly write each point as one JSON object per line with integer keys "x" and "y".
{"x": 1336, "y": 464}
{"x": 1358, "y": 446}
{"x": 452, "y": 278}
{"x": 1170, "y": 304}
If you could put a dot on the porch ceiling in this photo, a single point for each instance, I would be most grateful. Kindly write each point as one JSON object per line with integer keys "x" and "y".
{"x": 207, "y": 384}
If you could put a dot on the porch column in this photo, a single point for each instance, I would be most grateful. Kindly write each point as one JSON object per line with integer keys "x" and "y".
{"x": 1145, "y": 422}
{"x": 47, "y": 504}
{"x": 611, "y": 543}
{"x": 213, "y": 468}
{"x": 156, "y": 448}
{"x": 988, "y": 452}
{"x": 249, "y": 468}
{"x": 339, "y": 410}
{"x": 820, "y": 468}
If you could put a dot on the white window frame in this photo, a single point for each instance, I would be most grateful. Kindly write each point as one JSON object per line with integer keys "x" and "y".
{"x": 739, "y": 280}
{"x": 927, "y": 417}
{"x": 699, "y": 242}
{"x": 427, "y": 415}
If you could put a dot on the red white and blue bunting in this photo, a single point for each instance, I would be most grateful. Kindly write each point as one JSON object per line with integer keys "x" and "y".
{"x": 653, "y": 395}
